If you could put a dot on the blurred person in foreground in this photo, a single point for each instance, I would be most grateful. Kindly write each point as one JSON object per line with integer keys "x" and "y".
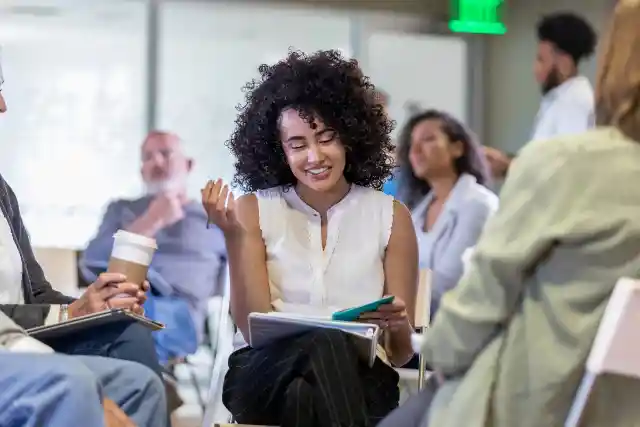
{"x": 444, "y": 181}
{"x": 314, "y": 235}
{"x": 567, "y": 107}
{"x": 510, "y": 342}
{"x": 38, "y": 387}
{"x": 190, "y": 259}
{"x": 62, "y": 390}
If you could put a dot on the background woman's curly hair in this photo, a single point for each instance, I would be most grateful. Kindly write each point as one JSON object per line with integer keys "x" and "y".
{"x": 322, "y": 84}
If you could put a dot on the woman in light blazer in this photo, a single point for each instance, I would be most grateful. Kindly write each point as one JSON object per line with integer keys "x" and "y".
{"x": 443, "y": 178}
{"x": 510, "y": 342}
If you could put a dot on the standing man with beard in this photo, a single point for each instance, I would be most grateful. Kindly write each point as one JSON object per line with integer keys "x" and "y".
{"x": 567, "y": 106}
{"x": 186, "y": 267}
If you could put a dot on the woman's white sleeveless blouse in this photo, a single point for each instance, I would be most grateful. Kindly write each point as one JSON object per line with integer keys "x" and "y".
{"x": 304, "y": 278}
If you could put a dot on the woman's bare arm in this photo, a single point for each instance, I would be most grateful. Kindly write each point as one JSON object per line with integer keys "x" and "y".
{"x": 401, "y": 279}
{"x": 247, "y": 265}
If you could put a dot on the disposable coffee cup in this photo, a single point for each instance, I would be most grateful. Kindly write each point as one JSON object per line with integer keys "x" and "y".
{"x": 131, "y": 255}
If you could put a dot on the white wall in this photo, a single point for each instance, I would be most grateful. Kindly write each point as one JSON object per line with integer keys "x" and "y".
{"x": 511, "y": 93}
{"x": 429, "y": 71}
{"x": 403, "y": 56}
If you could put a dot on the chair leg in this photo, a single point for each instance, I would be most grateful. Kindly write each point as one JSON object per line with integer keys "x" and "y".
{"x": 581, "y": 399}
{"x": 422, "y": 367}
{"x": 196, "y": 385}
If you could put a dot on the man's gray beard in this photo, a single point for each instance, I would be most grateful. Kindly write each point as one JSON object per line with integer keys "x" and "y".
{"x": 158, "y": 187}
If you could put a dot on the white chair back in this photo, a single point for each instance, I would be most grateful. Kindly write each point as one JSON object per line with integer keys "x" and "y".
{"x": 615, "y": 349}
{"x": 60, "y": 267}
{"x": 423, "y": 299}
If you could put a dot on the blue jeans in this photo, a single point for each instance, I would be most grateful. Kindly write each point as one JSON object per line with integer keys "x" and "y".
{"x": 178, "y": 338}
{"x": 125, "y": 341}
{"x": 61, "y": 391}
{"x": 415, "y": 411}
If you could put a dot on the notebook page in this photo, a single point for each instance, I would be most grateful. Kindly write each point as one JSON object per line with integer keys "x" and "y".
{"x": 265, "y": 328}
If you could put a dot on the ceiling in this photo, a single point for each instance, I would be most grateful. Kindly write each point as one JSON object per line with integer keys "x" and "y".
{"x": 56, "y": 7}
{"x": 104, "y": 15}
{"x": 426, "y": 7}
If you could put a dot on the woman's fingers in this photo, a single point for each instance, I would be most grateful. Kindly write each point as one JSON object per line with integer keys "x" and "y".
{"x": 397, "y": 305}
{"x": 211, "y": 192}
{"x": 208, "y": 198}
{"x": 375, "y": 315}
{"x": 232, "y": 216}
{"x": 206, "y": 192}
{"x": 222, "y": 199}
{"x": 217, "y": 186}
{"x": 369, "y": 315}
{"x": 218, "y": 202}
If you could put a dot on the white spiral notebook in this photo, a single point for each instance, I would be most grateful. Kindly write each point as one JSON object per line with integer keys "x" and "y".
{"x": 265, "y": 328}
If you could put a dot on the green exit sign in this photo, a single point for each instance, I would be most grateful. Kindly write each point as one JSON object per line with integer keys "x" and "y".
{"x": 477, "y": 16}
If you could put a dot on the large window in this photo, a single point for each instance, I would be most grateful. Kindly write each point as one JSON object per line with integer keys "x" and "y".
{"x": 74, "y": 85}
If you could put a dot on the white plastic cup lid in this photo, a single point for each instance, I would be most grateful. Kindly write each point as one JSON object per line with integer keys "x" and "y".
{"x": 136, "y": 239}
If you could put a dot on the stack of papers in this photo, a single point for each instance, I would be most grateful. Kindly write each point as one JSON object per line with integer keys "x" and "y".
{"x": 266, "y": 328}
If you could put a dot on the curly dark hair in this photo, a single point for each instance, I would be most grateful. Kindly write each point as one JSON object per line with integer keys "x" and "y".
{"x": 411, "y": 188}
{"x": 569, "y": 33}
{"x": 323, "y": 85}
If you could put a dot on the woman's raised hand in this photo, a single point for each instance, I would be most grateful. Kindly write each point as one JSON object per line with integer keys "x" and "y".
{"x": 219, "y": 204}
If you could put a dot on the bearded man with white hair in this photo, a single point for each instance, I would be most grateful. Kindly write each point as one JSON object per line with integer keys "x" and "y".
{"x": 188, "y": 263}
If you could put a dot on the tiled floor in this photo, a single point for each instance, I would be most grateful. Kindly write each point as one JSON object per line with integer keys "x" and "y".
{"x": 185, "y": 421}
{"x": 190, "y": 414}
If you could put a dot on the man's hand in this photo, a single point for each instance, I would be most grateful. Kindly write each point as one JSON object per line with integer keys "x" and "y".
{"x": 98, "y": 296}
{"x": 498, "y": 161}
{"x": 167, "y": 208}
{"x": 114, "y": 416}
{"x": 141, "y": 297}
{"x": 164, "y": 210}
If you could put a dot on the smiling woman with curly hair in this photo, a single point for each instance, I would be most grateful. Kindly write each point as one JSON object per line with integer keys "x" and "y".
{"x": 325, "y": 86}
{"x": 314, "y": 236}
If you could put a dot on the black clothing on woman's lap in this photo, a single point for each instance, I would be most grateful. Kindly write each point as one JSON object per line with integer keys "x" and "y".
{"x": 312, "y": 380}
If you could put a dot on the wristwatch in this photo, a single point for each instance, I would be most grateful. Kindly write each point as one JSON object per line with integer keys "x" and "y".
{"x": 64, "y": 313}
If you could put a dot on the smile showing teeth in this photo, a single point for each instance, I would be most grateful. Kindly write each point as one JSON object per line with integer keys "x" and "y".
{"x": 317, "y": 171}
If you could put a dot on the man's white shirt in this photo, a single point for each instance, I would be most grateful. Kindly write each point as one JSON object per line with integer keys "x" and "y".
{"x": 566, "y": 109}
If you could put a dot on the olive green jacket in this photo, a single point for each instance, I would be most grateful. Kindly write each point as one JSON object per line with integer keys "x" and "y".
{"x": 514, "y": 335}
